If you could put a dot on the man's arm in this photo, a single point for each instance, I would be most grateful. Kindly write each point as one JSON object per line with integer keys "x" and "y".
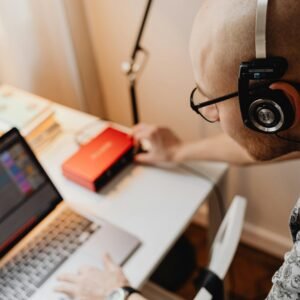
{"x": 163, "y": 146}
{"x": 222, "y": 148}
{"x": 217, "y": 148}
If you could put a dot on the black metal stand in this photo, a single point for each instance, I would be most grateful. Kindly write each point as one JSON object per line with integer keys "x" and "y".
{"x": 132, "y": 68}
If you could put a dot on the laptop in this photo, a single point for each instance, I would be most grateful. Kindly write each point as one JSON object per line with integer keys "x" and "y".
{"x": 40, "y": 235}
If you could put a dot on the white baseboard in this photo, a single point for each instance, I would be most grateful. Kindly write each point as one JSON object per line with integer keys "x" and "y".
{"x": 255, "y": 236}
{"x": 266, "y": 240}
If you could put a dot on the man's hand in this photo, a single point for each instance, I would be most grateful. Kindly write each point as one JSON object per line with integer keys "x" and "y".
{"x": 92, "y": 283}
{"x": 161, "y": 144}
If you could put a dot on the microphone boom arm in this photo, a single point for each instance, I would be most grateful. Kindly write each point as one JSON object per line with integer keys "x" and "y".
{"x": 132, "y": 68}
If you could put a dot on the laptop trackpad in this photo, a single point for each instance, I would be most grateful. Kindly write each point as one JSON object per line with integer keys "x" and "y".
{"x": 108, "y": 239}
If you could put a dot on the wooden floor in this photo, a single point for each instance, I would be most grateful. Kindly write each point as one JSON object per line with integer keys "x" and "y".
{"x": 250, "y": 274}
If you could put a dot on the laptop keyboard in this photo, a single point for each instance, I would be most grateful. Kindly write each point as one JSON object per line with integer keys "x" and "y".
{"x": 41, "y": 257}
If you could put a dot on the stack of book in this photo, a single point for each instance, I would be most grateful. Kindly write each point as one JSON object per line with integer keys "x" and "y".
{"x": 32, "y": 115}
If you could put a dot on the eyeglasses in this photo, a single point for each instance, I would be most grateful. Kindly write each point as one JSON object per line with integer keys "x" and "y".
{"x": 210, "y": 114}
{"x": 208, "y": 109}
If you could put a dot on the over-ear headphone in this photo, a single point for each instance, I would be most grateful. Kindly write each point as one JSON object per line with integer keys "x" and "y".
{"x": 264, "y": 109}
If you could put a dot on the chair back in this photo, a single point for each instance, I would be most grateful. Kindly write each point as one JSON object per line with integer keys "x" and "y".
{"x": 225, "y": 243}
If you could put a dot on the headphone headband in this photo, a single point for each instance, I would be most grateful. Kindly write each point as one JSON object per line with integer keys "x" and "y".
{"x": 261, "y": 29}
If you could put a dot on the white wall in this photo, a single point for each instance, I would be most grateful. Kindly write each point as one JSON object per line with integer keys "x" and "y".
{"x": 163, "y": 92}
{"x": 36, "y": 50}
{"x": 164, "y": 87}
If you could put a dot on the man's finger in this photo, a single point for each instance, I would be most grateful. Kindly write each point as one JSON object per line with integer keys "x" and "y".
{"x": 109, "y": 263}
{"x": 144, "y": 158}
{"x": 142, "y": 127}
{"x": 143, "y": 135}
{"x": 68, "y": 289}
{"x": 71, "y": 278}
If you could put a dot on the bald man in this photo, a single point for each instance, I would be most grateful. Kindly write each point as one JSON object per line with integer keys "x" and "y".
{"x": 222, "y": 38}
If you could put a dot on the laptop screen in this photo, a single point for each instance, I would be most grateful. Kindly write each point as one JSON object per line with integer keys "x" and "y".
{"x": 27, "y": 194}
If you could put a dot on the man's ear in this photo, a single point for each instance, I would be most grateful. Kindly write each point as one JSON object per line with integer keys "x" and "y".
{"x": 211, "y": 112}
{"x": 293, "y": 95}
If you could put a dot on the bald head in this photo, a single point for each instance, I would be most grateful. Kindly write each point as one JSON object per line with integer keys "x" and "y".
{"x": 283, "y": 34}
{"x": 224, "y": 35}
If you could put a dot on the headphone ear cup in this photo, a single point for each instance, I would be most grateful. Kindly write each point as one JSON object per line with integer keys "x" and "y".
{"x": 270, "y": 111}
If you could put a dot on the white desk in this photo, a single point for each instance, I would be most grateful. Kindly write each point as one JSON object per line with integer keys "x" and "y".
{"x": 153, "y": 204}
